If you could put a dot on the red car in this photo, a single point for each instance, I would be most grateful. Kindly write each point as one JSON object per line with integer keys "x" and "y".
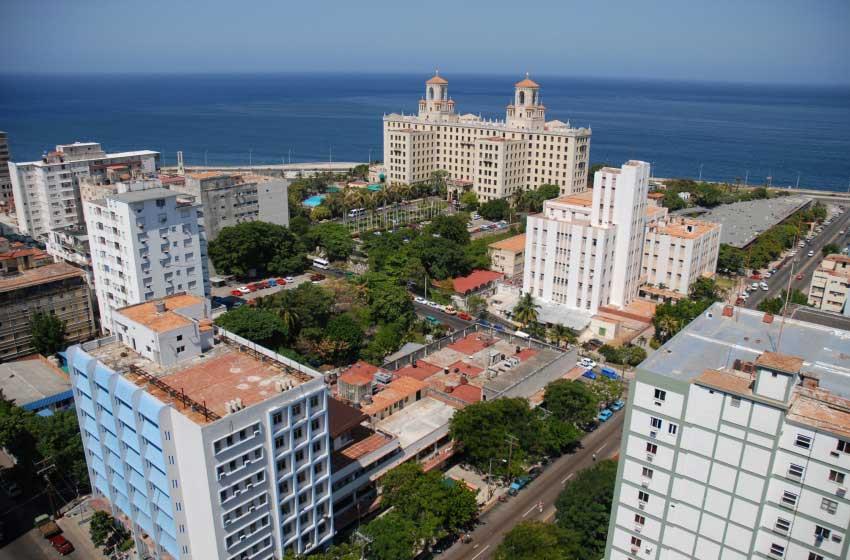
{"x": 251, "y": 287}
{"x": 280, "y": 281}
{"x": 62, "y": 545}
{"x": 799, "y": 277}
{"x": 236, "y": 293}
{"x": 464, "y": 316}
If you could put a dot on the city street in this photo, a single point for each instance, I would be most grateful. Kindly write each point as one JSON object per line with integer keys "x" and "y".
{"x": 802, "y": 263}
{"x": 604, "y": 442}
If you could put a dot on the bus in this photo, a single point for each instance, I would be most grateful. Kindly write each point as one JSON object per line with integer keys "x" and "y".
{"x": 356, "y": 213}
{"x": 320, "y": 263}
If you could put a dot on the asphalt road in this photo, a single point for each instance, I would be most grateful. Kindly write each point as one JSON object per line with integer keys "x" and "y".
{"x": 802, "y": 263}
{"x": 605, "y": 442}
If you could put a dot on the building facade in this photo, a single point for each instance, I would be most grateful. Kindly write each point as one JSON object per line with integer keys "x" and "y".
{"x": 208, "y": 447}
{"x": 732, "y": 450}
{"x": 145, "y": 245}
{"x": 678, "y": 251}
{"x": 47, "y": 192}
{"x": 508, "y": 256}
{"x": 831, "y": 284}
{"x": 59, "y": 289}
{"x": 70, "y": 244}
{"x": 232, "y": 198}
{"x": 7, "y": 200}
{"x": 584, "y": 250}
{"x": 497, "y": 158}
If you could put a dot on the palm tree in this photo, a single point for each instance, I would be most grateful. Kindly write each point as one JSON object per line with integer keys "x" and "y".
{"x": 525, "y": 311}
{"x": 668, "y": 326}
{"x": 560, "y": 333}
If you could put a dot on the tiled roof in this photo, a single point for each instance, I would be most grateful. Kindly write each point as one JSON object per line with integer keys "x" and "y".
{"x": 514, "y": 244}
{"x": 782, "y": 362}
{"x": 474, "y": 281}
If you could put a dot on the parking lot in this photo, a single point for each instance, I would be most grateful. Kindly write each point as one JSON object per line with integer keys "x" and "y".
{"x": 479, "y": 227}
{"x": 232, "y": 287}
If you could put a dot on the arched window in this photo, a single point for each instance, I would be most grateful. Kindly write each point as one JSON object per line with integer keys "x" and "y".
{"x": 522, "y": 98}
{"x": 430, "y": 93}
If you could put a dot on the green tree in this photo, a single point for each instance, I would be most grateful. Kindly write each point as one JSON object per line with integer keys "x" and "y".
{"x": 469, "y": 201}
{"x": 452, "y": 228}
{"x": 476, "y": 305}
{"x": 442, "y": 258}
{"x": 583, "y": 511}
{"x": 48, "y": 333}
{"x": 525, "y": 310}
{"x": 672, "y": 201}
{"x": 495, "y": 210}
{"x": 391, "y": 537}
{"x": 730, "y": 259}
{"x": 347, "y": 335}
{"x": 388, "y": 301}
{"x": 606, "y": 390}
{"x": 830, "y": 249}
{"x": 334, "y": 239}
{"x": 562, "y": 333}
{"x": 257, "y": 249}
{"x": 257, "y": 325}
{"x": 385, "y": 341}
{"x": 320, "y": 213}
{"x": 705, "y": 288}
{"x": 101, "y": 528}
{"x": 570, "y": 401}
{"x": 532, "y": 540}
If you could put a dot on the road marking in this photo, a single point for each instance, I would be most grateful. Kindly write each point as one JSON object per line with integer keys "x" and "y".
{"x": 534, "y": 507}
{"x": 480, "y": 553}
{"x": 600, "y": 449}
{"x": 569, "y": 476}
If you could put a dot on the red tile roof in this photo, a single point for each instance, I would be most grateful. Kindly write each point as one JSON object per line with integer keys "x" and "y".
{"x": 422, "y": 371}
{"x": 475, "y": 281}
{"x": 467, "y": 393}
{"x": 360, "y": 373}
{"x": 470, "y": 370}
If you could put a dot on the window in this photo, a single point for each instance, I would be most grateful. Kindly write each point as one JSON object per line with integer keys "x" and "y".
{"x": 643, "y": 496}
{"x": 296, "y": 410}
{"x": 803, "y": 441}
{"x": 655, "y": 422}
{"x": 651, "y": 448}
{"x": 672, "y": 429}
{"x": 815, "y": 556}
{"x": 277, "y": 418}
{"x": 843, "y": 446}
{"x": 636, "y": 542}
{"x": 836, "y": 476}
{"x": 314, "y": 402}
{"x": 640, "y": 520}
{"x": 647, "y": 472}
{"x": 777, "y": 550}
{"x": 795, "y": 471}
{"x": 782, "y": 525}
{"x": 829, "y": 506}
{"x": 789, "y": 499}
{"x": 660, "y": 395}
{"x": 822, "y": 532}
{"x": 735, "y": 402}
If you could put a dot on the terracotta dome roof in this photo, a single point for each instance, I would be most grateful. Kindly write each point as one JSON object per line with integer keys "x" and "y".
{"x": 437, "y": 79}
{"x": 527, "y": 83}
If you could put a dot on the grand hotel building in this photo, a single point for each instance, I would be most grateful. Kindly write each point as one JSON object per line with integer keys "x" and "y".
{"x": 493, "y": 158}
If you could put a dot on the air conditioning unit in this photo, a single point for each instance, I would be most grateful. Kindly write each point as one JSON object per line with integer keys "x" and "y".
{"x": 658, "y": 403}
{"x": 650, "y": 457}
{"x": 645, "y": 483}
{"x": 638, "y": 527}
{"x": 635, "y": 549}
{"x": 841, "y": 491}
{"x": 641, "y": 505}
{"x": 653, "y": 434}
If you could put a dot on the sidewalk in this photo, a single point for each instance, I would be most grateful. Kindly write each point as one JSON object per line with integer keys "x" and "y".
{"x": 75, "y": 525}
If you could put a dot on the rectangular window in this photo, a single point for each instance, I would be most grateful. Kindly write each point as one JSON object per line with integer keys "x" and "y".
{"x": 672, "y": 429}
{"x": 655, "y": 422}
{"x": 789, "y": 499}
{"x": 822, "y": 532}
{"x": 782, "y": 525}
{"x": 735, "y": 402}
{"x": 660, "y": 395}
{"x": 843, "y": 446}
{"x": 815, "y": 556}
{"x": 777, "y": 550}
{"x": 643, "y": 496}
{"x": 836, "y": 476}
{"x": 795, "y": 471}
{"x": 647, "y": 472}
{"x": 636, "y": 542}
{"x": 651, "y": 448}
{"x": 829, "y": 506}
{"x": 640, "y": 520}
{"x": 803, "y": 441}
{"x": 277, "y": 418}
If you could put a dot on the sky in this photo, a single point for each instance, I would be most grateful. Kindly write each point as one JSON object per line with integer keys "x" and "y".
{"x": 783, "y": 41}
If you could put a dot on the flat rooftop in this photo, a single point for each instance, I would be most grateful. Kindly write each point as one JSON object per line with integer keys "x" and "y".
{"x": 744, "y": 221}
{"x": 161, "y": 321}
{"x": 417, "y": 420}
{"x": 226, "y": 372}
{"x": 32, "y": 379}
{"x": 40, "y": 275}
{"x": 714, "y": 342}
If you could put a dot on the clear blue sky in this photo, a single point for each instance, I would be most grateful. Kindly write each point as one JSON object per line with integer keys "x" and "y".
{"x": 797, "y": 41}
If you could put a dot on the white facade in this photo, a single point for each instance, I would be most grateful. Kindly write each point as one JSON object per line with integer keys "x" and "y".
{"x": 6, "y": 197}
{"x": 678, "y": 251}
{"x": 195, "y": 481}
{"x": 145, "y": 245}
{"x": 738, "y": 462}
{"x": 47, "y": 192}
{"x": 499, "y": 158}
{"x": 831, "y": 285}
{"x": 584, "y": 251}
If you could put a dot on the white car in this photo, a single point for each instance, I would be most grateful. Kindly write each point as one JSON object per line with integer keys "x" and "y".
{"x": 289, "y": 279}
{"x": 811, "y": 253}
{"x": 586, "y": 363}
{"x": 433, "y": 304}
{"x": 764, "y": 286}
{"x": 244, "y": 289}
{"x": 745, "y": 295}
{"x": 420, "y": 299}
{"x": 767, "y": 274}
{"x": 754, "y": 285}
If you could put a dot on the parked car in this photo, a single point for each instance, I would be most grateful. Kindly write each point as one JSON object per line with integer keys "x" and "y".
{"x": 518, "y": 485}
{"x": 464, "y": 316}
{"x": 62, "y": 545}
{"x": 317, "y": 277}
{"x": 499, "y": 327}
{"x": 46, "y": 526}
{"x": 590, "y": 426}
{"x": 800, "y": 276}
{"x": 419, "y": 299}
{"x": 589, "y": 374}
{"x": 484, "y": 323}
{"x": 534, "y": 472}
{"x": 450, "y": 310}
{"x": 617, "y": 405}
{"x": 433, "y": 320}
{"x": 289, "y": 279}
{"x": 586, "y": 363}
{"x": 811, "y": 253}
{"x": 230, "y": 302}
{"x": 764, "y": 286}
{"x": 605, "y": 415}
{"x": 243, "y": 290}
{"x": 744, "y": 296}
{"x": 754, "y": 286}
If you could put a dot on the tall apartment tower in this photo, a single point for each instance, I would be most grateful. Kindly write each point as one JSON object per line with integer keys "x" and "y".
{"x": 7, "y": 200}
{"x": 584, "y": 250}
{"x": 47, "y": 192}
{"x": 736, "y": 443}
{"x": 493, "y": 158}
{"x": 207, "y": 445}
{"x": 145, "y": 245}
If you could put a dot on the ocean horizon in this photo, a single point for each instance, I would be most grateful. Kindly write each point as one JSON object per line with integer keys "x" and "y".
{"x": 726, "y": 131}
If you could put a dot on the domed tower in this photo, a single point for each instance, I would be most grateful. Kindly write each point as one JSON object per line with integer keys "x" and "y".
{"x": 526, "y": 111}
{"x": 436, "y": 104}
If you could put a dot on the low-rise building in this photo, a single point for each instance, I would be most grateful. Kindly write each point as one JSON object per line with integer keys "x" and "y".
{"x": 831, "y": 284}
{"x": 508, "y": 256}
{"x": 678, "y": 251}
{"x": 232, "y": 198}
{"x": 59, "y": 289}
{"x": 36, "y": 384}
{"x": 16, "y": 257}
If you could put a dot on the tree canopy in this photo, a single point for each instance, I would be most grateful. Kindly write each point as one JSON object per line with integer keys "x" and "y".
{"x": 257, "y": 325}
{"x": 495, "y": 210}
{"x": 570, "y": 401}
{"x": 583, "y": 511}
{"x": 334, "y": 239}
{"x": 532, "y": 540}
{"x": 256, "y": 249}
{"x": 48, "y": 333}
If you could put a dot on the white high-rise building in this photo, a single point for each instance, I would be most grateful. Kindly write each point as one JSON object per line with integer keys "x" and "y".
{"x": 206, "y": 445}
{"x": 736, "y": 442}
{"x": 144, "y": 245}
{"x": 7, "y": 201}
{"x": 47, "y": 192}
{"x": 584, "y": 250}
{"x": 493, "y": 158}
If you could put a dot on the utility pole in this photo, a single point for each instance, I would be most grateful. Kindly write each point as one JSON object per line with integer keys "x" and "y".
{"x": 511, "y": 440}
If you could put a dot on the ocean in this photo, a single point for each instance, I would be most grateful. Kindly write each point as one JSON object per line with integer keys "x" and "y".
{"x": 724, "y": 131}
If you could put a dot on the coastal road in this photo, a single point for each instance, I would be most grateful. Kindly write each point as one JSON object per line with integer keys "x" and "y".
{"x": 802, "y": 263}
{"x": 604, "y": 442}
